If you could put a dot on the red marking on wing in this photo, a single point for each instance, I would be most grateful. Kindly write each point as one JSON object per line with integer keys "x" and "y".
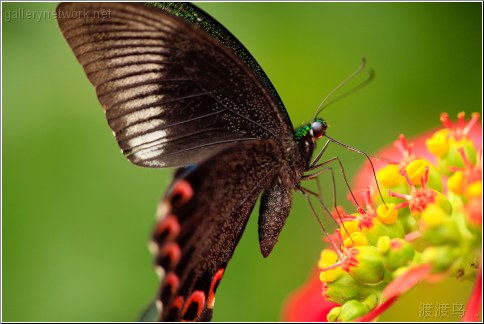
{"x": 172, "y": 250}
{"x": 198, "y": 297}
{"x": 178, "y": 302}
{"x": 213, "y": 287}
{"x": 169, "y": 224}
{"x": 183, "y": 189}
{"x": 174, "y": 310}
{"x": 172, "y": 280}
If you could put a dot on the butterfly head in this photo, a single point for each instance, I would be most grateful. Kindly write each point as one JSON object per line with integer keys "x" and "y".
{"x": 318, "y": 128}
{"x": 314, "y": 130}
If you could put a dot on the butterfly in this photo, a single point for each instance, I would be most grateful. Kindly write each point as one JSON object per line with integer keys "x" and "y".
{"x": 179, "y": 90}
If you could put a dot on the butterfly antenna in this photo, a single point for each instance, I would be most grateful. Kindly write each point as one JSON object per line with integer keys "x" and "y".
{"x": 355, "y": 73}
{"x": 369, "y": 79}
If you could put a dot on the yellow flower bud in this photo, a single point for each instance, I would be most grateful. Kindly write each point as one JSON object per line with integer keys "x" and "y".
{"x": 327, "y": 257}
{"x": 355, "y": 239}
{"x": 383, "y": 244}
{"x": 351, "y": 310}
{"x": 349, "y": 227}
{"x": 456, "y": 182}
{"x": 330, "y": 275}
{"x": 387, "y": 214}
{"x": 474, "y": 190}
{"x": 416, "y": 169}
{"x": 333, "y": 314}
{"x": 438, "y": 144}
{"x": 433, "y": 216}
{"x": 389, "y": 176}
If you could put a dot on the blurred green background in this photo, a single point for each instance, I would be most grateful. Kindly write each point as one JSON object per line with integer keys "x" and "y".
{"x": 77, "y": 215}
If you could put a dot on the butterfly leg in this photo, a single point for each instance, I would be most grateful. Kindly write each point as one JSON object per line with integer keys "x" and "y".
{"x": 318, "y": 182}
{"x": 318, "y": 157}
{"x": 320, "y": 191}
{"x": 314, "y": 164}
{"x": 321, "y": 171}
{"x": 307, "y": 193}
{"x": 318, "y": 195}
{"x": 353, "y": 149}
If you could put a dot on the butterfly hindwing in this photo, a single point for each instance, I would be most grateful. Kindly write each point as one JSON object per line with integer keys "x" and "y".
{"x": 173, "y": 93}
{"x": 201, "y": 220}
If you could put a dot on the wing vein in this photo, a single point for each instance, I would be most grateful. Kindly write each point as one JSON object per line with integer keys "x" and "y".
{"x": 172, "y": 124}
{"x": 159, "y": 102}
{"x": 155, "y": 81}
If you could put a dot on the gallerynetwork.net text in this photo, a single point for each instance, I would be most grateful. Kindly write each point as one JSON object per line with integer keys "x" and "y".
{"x": 39, "y": 15}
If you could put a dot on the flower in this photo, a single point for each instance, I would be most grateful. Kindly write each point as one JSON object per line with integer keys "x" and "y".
{"x": 306, "y": 304}
{"x": 429, "y": 227}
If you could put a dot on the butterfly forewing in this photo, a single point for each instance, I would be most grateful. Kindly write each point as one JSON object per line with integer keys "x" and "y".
{"x": 173, "y": 94}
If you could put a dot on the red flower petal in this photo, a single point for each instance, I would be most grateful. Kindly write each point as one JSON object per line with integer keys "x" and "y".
{"x": 365, "y": 175}
{"x": 407, "y": 281}
{"x": 377, "y": 311}
{"x": 396, "y": 288}
{"x": 307, "y": 303}
{"x": 474, "y": 305}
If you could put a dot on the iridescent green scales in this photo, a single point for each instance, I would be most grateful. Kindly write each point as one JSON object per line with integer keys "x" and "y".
{"x": 303, "y": 130}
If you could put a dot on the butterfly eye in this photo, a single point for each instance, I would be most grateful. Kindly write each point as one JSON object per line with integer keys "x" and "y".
{"x": 318, "y": 128}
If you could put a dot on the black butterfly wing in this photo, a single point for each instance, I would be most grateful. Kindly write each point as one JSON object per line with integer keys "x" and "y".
{"x": 177, "y": 88}
{"x": 201, "y": 220}
{"x": 175, "y": 85}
